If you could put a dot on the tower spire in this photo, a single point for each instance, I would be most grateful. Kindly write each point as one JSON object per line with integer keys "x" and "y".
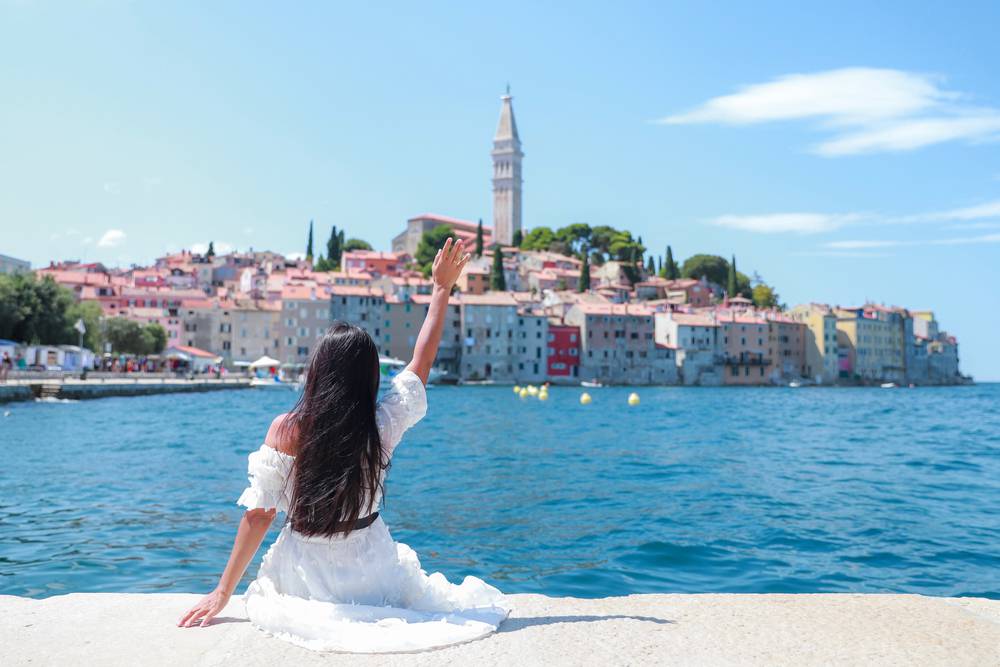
{"x": 507, "y": 180}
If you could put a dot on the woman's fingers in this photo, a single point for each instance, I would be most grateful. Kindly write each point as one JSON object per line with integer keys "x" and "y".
{"x": 209, "y": 616}
{"x": 446, "y": 248}
{"x": 194, "y": 617}
{"x": 465, "y": 260}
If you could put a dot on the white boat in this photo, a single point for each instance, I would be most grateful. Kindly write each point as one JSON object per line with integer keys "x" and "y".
{"x": 888, "y": 385}
{"x": 592, "y": 384}
{"x": 794, "y": 384}
{"x": 272, "y": 382}
{"x": 390, "y": 367}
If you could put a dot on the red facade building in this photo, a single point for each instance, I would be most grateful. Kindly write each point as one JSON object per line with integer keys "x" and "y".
{"x": 564, "y": 350}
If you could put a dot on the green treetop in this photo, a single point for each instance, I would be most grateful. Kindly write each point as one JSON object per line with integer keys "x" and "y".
{"x": 211, "y": 250}
{"x": 731, "y": 278}
{"x": 479, "y": 238}
{"x": 309, "y": 243}
{"x": 356, "y": 244}
{"x": 584, "y": 283}
{"x": 497, "y": 281}
{"x": 431, "y": 241}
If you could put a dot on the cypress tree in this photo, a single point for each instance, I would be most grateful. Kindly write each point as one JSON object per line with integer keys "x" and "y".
{"x": 479, "y": 238}
{"x": 650, "y": 265}
{"x": 211, "y": 249}
{"x": 659, "y": 265}
{"x": 584, "y": 284}
{"x": 497, "y": 281}
{"x": 334, "y": 249}
{"x": 731, "y": 279}
{"x": 309, "y": 243}
{"x": 673, "y": 273}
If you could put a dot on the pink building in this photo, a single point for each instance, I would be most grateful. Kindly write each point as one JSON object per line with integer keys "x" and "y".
{"x": 375, "y": 262}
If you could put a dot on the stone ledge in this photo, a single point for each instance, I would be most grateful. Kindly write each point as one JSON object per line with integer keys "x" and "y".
{"x": 139, "y": 629}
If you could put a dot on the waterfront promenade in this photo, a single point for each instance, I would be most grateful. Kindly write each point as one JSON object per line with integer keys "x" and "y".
{"x": 73, "y": 388}
{"x": 129, "y": 629}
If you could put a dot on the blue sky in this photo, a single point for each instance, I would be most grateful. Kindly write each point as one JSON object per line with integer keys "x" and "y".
{"x": 843, "y": 153}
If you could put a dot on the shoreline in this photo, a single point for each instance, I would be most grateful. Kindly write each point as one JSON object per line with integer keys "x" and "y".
{"x": 72, "y": 388}
{"x": 783, "y": 629}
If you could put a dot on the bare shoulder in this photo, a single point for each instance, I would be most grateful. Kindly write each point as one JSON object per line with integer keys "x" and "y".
{"x": 283, "y": 434}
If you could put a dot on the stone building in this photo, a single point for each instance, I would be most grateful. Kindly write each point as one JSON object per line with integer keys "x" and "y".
{"x": 507, "y": 178}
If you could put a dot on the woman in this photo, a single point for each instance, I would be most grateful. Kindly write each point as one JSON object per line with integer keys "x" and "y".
{"x": 334, "y": 579}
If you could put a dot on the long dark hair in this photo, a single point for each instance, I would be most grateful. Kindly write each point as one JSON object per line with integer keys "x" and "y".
{"x": 339, "y": 463}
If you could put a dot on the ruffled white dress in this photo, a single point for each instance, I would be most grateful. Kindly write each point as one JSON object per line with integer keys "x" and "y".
{"x": 362, "y": 593}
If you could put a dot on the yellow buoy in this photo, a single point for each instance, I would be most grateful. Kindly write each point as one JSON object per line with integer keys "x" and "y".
{"x": 517, "y": 389}
{"x": 585, "y": 398}
{"x": 524, "y": 392}
{"x": 633, "y": 398}
{"x": 543, "y": 395}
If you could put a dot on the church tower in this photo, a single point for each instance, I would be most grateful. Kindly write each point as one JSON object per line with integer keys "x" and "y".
{"x": 506, "y": 175}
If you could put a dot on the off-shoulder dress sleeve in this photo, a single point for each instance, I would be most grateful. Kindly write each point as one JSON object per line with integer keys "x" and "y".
{"x": 400, "y": 408}
{"x": 268, "y": 471}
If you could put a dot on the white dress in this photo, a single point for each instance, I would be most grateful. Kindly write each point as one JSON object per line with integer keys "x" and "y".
{"x": 362, "y": 593}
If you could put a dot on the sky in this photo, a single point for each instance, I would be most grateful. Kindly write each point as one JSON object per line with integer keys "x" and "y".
{"x": 843, "y": 153}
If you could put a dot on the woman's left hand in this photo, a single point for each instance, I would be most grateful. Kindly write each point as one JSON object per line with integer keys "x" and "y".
{"x": 206, "y": 609}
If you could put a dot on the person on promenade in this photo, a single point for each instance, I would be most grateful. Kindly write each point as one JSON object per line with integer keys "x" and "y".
{"x": 5, "y": 365}
{"x": 334, "y": 579}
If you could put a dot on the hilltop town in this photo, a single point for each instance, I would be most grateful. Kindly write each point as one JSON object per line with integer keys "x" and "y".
{"x": 540, "y": 305}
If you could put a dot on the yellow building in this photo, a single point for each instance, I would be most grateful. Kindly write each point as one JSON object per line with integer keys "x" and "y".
{"x": 820, "y": 341}
{"x": 872, "y": 341}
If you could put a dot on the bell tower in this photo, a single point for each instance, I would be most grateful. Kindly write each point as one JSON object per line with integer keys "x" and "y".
{"x": 507, "y": 157}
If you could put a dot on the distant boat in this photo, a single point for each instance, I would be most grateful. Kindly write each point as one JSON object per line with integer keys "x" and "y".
{"x": 273, "y": 382}
{"x": 588, "y": 383}
{"x": 888, "y": 385}
{"x": 390, "y": 367}
{"x": 794, "y": 384}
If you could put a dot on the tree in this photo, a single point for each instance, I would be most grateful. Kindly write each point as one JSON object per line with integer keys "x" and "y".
{"x": 356, "y": 244}
{"x": 154, "y": 338}
{"x": 575, "y": 237}
{"x": 309, "y": 243}
{"x": 670, "y": 269}
{"x": 538, "y": 238}
{"x": 334, "y": 249}
{"x": 125, "y": 336}
{"x": 431, "y": 241}
{"x": 731, "y": 278}
{"x": 584, "y": 284}
{"x": 34, "y": 311}
{"x": 518, "y": 238}
{"x": 659, "y": 265}
{"x": 479, "y": 238}
{"x": 91, "y": 313}
{"x": 211, "y": 250}
{"x": 129, "y": 337}
{"x": 712, "y": 267}
{"x": 764, "y": 296}
{"x": 497, "y": 281}
{"x": 651, "y": 266}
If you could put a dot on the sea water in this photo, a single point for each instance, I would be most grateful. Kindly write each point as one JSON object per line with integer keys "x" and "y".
{"x": 761, "y": 490}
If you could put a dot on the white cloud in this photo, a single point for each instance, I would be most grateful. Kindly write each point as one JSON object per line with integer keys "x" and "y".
{"x": 112, "y": 187}
{"x": 958, "y": 240}
{"x": 861, "y": 245}
{"x": 111, "y": 238}
{"x": 868, "y": 110}
{"x": 858, "y": 254}
{"x": 773, "y": 223}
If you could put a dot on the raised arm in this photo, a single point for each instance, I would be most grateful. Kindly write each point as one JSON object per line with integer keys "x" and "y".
{"x": 448, "y": 265}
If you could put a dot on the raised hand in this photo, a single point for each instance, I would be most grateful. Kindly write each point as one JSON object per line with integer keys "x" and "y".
{"x": 448, "y": 264}
{"x": 206, "y": 609}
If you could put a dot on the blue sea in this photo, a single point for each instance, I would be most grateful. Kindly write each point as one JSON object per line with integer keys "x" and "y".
{"x": 755, "y": 490}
